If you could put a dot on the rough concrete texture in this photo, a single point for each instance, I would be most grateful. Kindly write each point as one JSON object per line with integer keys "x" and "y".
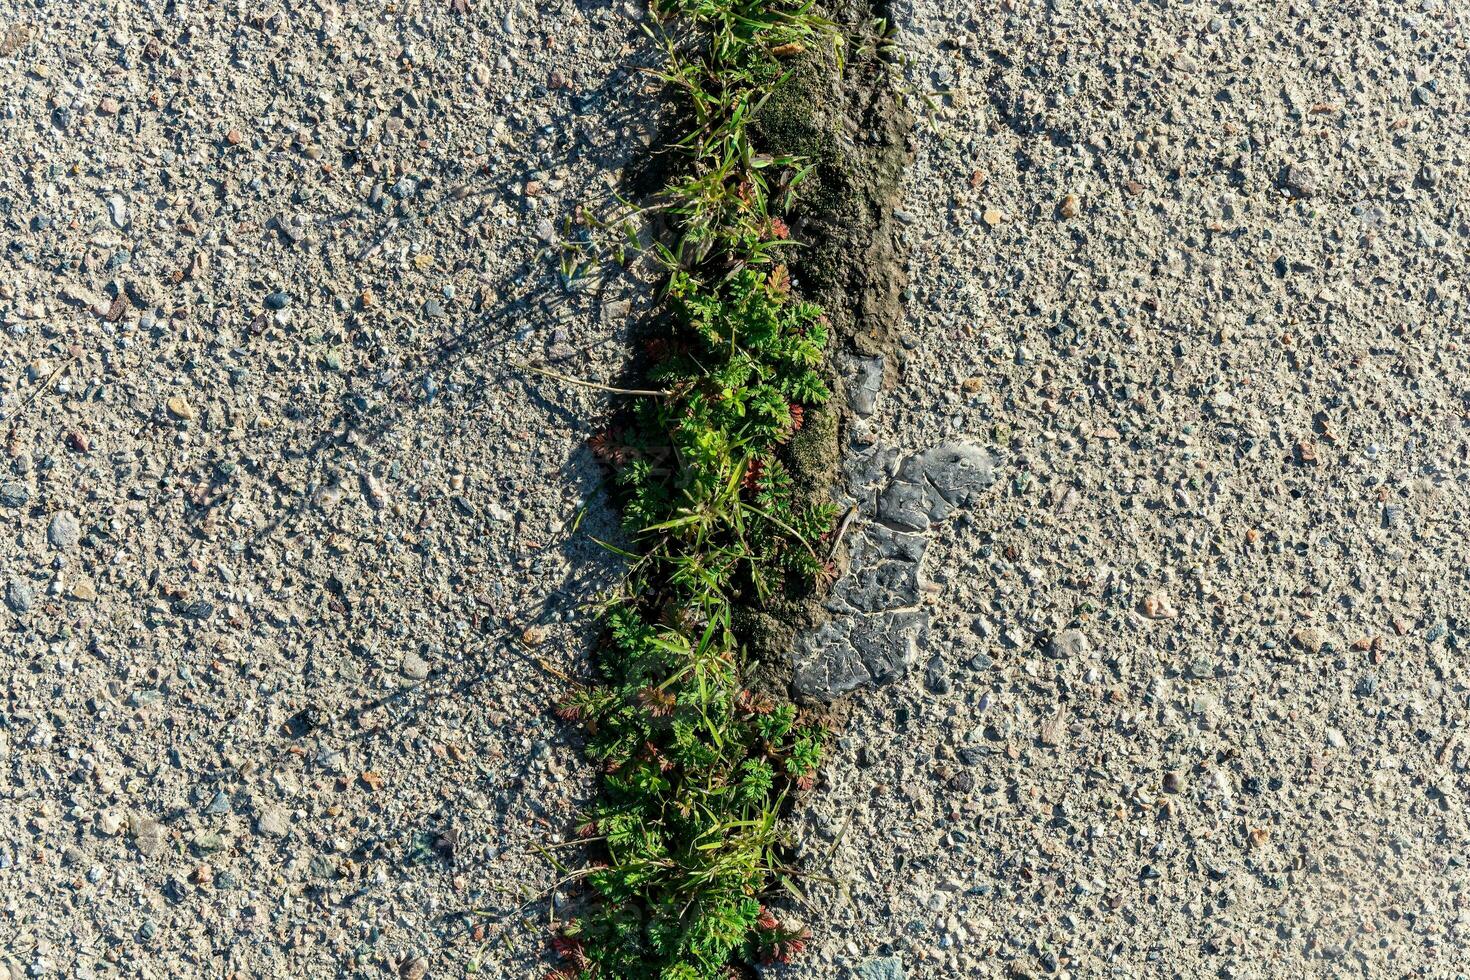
{"x": 287, "y": 542}
{"x": 285, "y": 537}
{"x": 1193, "y": 696}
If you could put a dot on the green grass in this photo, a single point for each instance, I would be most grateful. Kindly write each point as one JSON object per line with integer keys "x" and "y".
{"x": 696, "y": 769}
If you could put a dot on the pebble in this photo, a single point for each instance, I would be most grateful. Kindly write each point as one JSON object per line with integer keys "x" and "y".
{"x": 414, "y": 667}
{"x": 117, "y": 209}
{"x": 180, "y": 408}
{"x": 881, "y": 968}
{"x": 1070, "y": 645}
{"x": 1157, "y": 607}
{"x": 64, "y": 532}
{"x": 19, "y": 596}
{"x": 273, "y": 822}
{"x": 1310, "y": 639}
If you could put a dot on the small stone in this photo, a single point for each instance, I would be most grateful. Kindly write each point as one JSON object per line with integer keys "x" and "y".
{"x": 1069, "y": 207}
{"x": 108, "y": 106}
{"x": 1309, "y": 638}
{"x": 1299, "y": 181}
{"x": 1070, "y": 645}
{"x": 414, "y": 667}
{"x": 14, "y": 495}
{"x": 149, "y": 836}
{"x": 19, "y": 596}
{"x": 413, "y": 968}
{"x": 277, "y": 300}
{"x": 64, "y": 532}
{"x": 82, "y": 590}
{"x": 993, "y": 216}
{"x": 233, "y": 137}
{"x": 109, "y": 822}
{"x": 117, "y": 209}
{"x": 881, "y": 968}
{"x": 935, "y": 677}
{"x": 180, "y": 408}
{"x": 1157, "y": 607}
{"x": 273, "y": 822}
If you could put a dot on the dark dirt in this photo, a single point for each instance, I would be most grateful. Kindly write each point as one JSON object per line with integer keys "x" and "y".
{"x": 849, "y": 124}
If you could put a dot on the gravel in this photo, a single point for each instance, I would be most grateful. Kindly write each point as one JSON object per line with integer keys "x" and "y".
{"x": 1155, "y": 636}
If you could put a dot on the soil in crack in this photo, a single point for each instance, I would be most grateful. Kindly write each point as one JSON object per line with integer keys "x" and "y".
{"x": 850, "y": 125}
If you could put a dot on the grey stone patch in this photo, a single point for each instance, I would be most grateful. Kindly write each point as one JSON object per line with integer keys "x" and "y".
{"x": 149, "y": 836}
{"x": 884, "y": 571}
{"x": 881, "y": 968}
{"x": 14, "y": 495}
{"x": 932, "y": 484}
{"x": 219, "y": 804}
{"x": 19, "y": 596}
{"x": 865, "y": 381}
{"x": 936, "y": 677}
{"x": 273, "y": 822}
{"x": 414, "y": 667}
{"x": 63, "y": 532}
{"x": 877, "y": 625}
{"x": 855, "y": 651}
{"x": 912, "y": 505}
{"x": 1070, "y": 645}
{"x": 866, "y": 472}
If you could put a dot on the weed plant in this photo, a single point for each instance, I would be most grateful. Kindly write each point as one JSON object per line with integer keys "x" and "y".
{"x": 696, "y": 767}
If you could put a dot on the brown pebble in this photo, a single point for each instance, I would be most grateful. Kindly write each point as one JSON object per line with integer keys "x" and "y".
{"x": 179, "y": 408}
{"x": 1157, "y": 606}
{"x": 1309, "y": 638}
{"x": 1069, "y": 207}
